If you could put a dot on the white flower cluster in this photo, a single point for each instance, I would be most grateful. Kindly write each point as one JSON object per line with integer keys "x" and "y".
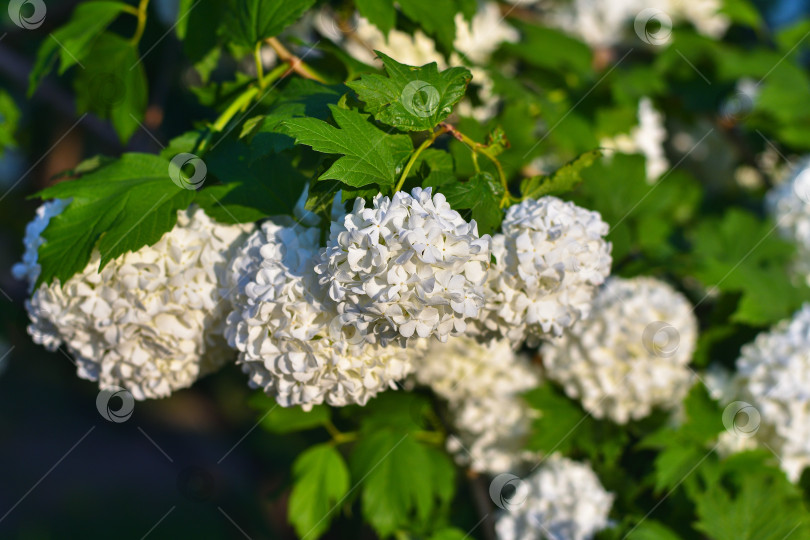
{"x": 773, "y": 375}
{"x": 789, "y": 205}
{"x": 475, "y": 42}
{"x": 561, "y": 500}
{"x": 481, "y": 384}
{"x": 550, "y": 259}
{"x": 647, "y": 139}
{"x": 605, "y": 23}
{"x": 151, "y": 321}
{"x": 287, "y": 330}
{"x": 409, "y": 267}
{"x": 631, "y": 355}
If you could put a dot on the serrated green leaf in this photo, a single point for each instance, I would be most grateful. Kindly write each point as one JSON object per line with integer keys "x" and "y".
{"x": 249, "y": 21}
{"x": 253, "y": 188}
{"x": 411, "y": 98}
{"x": 320, "y": 481}
{"x": 370, "y": 156}
{"x": 301, "y": 97}
{"x": 763, "y": 505}
{"x": 741, "y": 253}
{"x": 113, "y": 84}
{"x": 393, "y": 497}
{"x": 200, "y": 45}
{"x": 562, "y": 180}
{"x": 118, "y": 207}
{"x": 71, "y": 44}
{"x": 481, "y": 194}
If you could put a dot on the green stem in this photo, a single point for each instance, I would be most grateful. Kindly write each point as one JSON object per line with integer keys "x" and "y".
{"x": 238, "y": 104}
{"x": 257, "y": 57}
{"x": 478, "y": 148}
{"x": 430, "y": 140}
{"x": 141, "y": 13}
{"x": 430, "y": 437}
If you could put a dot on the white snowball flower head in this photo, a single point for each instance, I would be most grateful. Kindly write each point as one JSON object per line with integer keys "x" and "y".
{"x": 550, "y": 258}
{"x": 151, "y": 321}
{"x": 631, "y": 355}
{"x": 789, "y": 204}
{"x": 482, "y": 384}
{"x": 287, "y": 330}
{"x": 561, "y": 500}
{"x": 409, "y": 267}
{"x": 773, "y": 375}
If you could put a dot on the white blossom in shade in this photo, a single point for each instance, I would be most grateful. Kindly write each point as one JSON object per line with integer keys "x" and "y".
{"x": 789, "y": 205}
{"x": 28, "y": 269}
{"x": 151, "y": 321}
{"x": 647, "y": 138}
{"x": 773, "y": 375}
{"x": 477, "y": 39}
{"x": 287, "y": 331}
{"x": 409, "y": 267}
{"x": 631, "y": 355}
{"x": 550, "y": 258}
{"x": 482, "y": 385}
{"x": 561, "y": 500}
{"x": 605, "y": 23}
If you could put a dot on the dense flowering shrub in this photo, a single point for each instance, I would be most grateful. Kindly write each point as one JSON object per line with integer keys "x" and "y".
{"x": 151, "y": 321}
{"x": 631, "y": 355}
{"x": 515, "y": 269}
{"x": 560, "y": 499}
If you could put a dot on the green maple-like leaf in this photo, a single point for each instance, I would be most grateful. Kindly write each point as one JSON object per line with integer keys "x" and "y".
{"x": 71, "y": 43}
{"x": 404, "y": 480}
{"x": 113, "y": 84}
{"x": 370, "y": 156}
{"x": 411, "y": 98}
{"x": 481, "y": 195}
{"x": 321, "y": 480}
{"x": 120, "y": 206}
